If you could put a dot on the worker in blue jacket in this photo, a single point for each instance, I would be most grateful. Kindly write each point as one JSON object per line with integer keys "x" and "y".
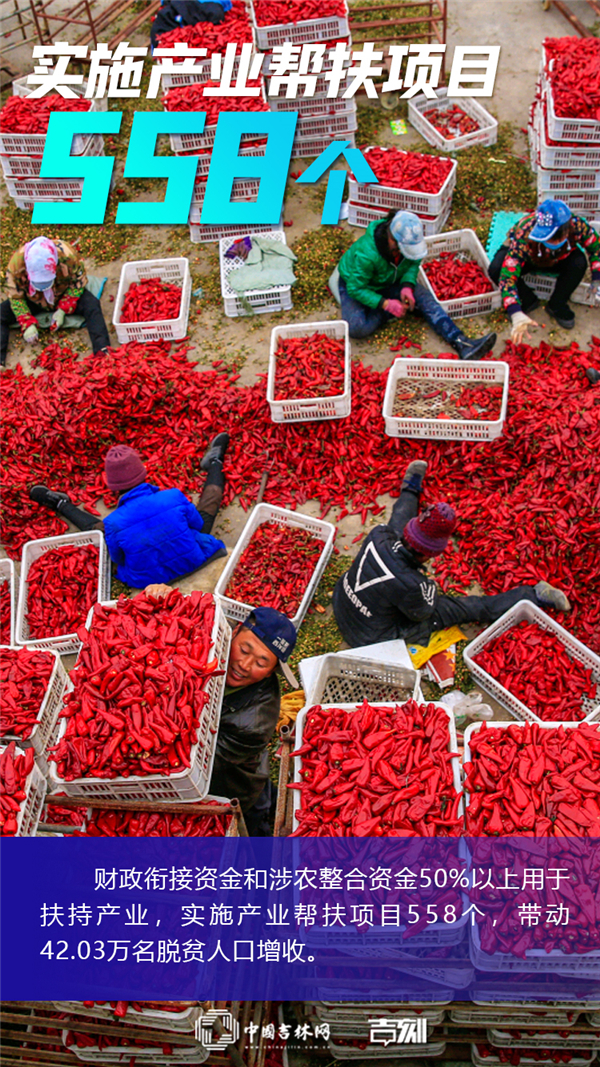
{"x": 153, "y": 535}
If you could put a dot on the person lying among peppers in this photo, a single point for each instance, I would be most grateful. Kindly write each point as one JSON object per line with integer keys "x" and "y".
{"x": 47, "y": 275}
{"x": 153, "y": 535}
{"x": 386, "y": 594}
{"x": 260, "y": 648}
{"x": 376, "y": 280}
{"x": 550, "y": 240}
{"x": 175, "y": 13}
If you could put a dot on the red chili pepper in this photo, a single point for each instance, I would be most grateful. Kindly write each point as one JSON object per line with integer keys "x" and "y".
{"x": 15, "y": 768}
{"x": 193, "y": 98}
{"x": 276, "y": 12}
{"x": 62, "y": 586}
{"x": 292, "y": 554}
{"x": 309, "y": 366}
{"x": 21, "y": 114}
{"x": 451, "y": 121}
{"x": 235, "y": 28}
{"x": 453, "y": 275}
{"x": 573, "y": 70}
{"x": 147, "y": 824}
{"x": 24, "y": 678}
{"x": 5, "y": 611}
{"x": 151, "y": 300}
{"x": 408, "y": 170}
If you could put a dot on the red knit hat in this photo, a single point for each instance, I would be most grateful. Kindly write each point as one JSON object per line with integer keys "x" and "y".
{"x": 123, "y": 468}
{"x": 429, "y": 533}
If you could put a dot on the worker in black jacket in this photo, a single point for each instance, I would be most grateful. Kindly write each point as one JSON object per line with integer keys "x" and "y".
{"x": 386, "y": 594}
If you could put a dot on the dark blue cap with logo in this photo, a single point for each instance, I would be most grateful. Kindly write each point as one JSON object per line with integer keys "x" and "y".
{"x": 275, "y": 631}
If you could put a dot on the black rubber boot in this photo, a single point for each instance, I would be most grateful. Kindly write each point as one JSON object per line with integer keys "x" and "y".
{"x": 531, "y": 305}
{"x": 592, "y": 375}
{"x": 562, "y": 315}
{"x": 48, "y": 498}
{"x": 215, "y": 451}
{"x": 414, "y": 475}
{"x": 474, "y": 349}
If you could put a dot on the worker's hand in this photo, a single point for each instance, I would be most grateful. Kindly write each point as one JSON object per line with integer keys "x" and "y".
{"x": 31, "y": 335}
{"x": 595, "y": 291}
{"x": 521, "y": 323}
{"x": 57, "y": 320}
{"x": 408, "y": 297}
{"x": 395, "y": 308}
{"x": 158, "y": 590}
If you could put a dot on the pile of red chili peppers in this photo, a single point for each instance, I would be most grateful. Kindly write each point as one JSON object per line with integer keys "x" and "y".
{"x": 5, "y": 611}
{"x": 377, "y": 772}
{"x": 455, "y": 274}
{"x": 292, "y": 554}
{"x": 139, "y": 688}
{"x": 534, "y": 666}
{"x": 516, "y": 1056}
{"x": 24, "y": 678}
{"x": 309, "y": 366}
{"x": 151, "y": 300}
{"x": 152, "y": 824}
{"x": 408, "y": 170}
{"x": 15, "y": 768}
{"x": 451, "y": 121}
{"x": 21, "y": 114}
{"x": 62, "y": 586}
{"x": 193, "y": 98}
{"x": 234, "y": 28}
{"x": 573, "y": 70}
{"x": 275, "y": 12}
{"x": 121, "y": 1007}
{"x": 533, "y": 781}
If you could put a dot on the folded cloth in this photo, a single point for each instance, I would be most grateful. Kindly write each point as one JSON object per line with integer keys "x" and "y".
{"x": 268, "y": 263}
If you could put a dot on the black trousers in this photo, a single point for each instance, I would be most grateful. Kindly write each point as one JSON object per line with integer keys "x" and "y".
{"x": 88, "y": 305}
{"x": 455, "y": 610}
{"x": 569, "y": 272}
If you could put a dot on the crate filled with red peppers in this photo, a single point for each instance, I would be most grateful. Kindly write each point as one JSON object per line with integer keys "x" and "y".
{"x": 141, "y": 721}
{"x": 189, "y": 98}
{"x": 535, "y": 668}
{"x": 22, "y": 792}
{"x": 297, "y": 548}
{"x": 408, "y": 181}
{"x": 61, "y": 579}
{"x": 309, "y": 372}
{"x": 124, "y": 1046}
{"x": 32, "y": 685}
{"x": 24, "y": 123}
{"x": 486, "y": 1055}
{"x": 298, "y": 21}
{"x": 571, "y": 82}
{"x": 153, "y": 300}
{"x": 115, "y": 822}
{"x": 455, "y": 270}
{"x": 7, "y": 602}
{"x": 452, "y": 123}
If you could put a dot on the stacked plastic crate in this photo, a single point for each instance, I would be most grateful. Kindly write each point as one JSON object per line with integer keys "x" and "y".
{"x": 21, "y": 157}
{"x": 401, "y": 188}
{"x": 321, "y": 119}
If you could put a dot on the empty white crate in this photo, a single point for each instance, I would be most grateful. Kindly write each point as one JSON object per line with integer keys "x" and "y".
{"x": 317, "y": 407}
{"x": 390, "y": 197}
{"x": 259, "y": 301}
{"x": 30, "y": 810}
{"x": 406, "y": 371}
{"x": 306, "y": 31}
{"x": 525, "y": 611}
{"x": 49, "y": 709}
{"x": 173, "y": 271}
{"x": 359, "y": 215}
{"x": 418, "y": 106}
{"x": 38, "y": 190}
{"x": 351, "y": 1052}
{"x": 32, "y": 550}
{"x": 461, "y": 241}
{"x": 7, "y": 574}
{"x": 352, "y": 679}
{"x": 320, "y": 530}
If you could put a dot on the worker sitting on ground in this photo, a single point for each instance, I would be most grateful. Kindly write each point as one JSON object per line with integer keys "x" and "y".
{"x": 48, "y": 276}
{"x": 386, "y": 594}
{"x": 546, "y": 240}
{"x": 153, "y": 535}
{"x": 376, "y": 281}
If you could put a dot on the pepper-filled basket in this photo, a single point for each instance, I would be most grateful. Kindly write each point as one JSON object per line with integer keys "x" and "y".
{"x": 310, "y": 408}
{"x": 463, "y": 243}
{"x": 253, "y": 301}
{"x": 33, "y": 144}
{"x": 183, "y": 1020}
{"x": 440, "y": 372}
{"x": 166, "y": 809}
{"x": 528, "y": 1061}
{"x": 65, "y": 644}
{"x": 391, "y": 197}
{"x": 361, "y": 215}
{"x": 31, "y": 808}
{"x": 191, "y": 143}
{"x": 7, "y": 577}
{"x": 556, "y": 154}
{"x": 49, "y": 708}
{"x": 174, "y": 272}
{"x": 305, "y": 31}
{"x": 262, "y": 513}
{"x": 123, "y": 1054}
{"x": 193, "y": 782}
{"x": 486, "y": 135}
{"x": 567, "y": 128}
{"x": 543, "y": 1039}
{"x": 350, "y": 679}
{"x": 525, "y": 611}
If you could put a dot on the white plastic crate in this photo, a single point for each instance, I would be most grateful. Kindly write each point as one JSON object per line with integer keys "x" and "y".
{"x": 182, "y": 1021}
{"x": 400, "y": 1052}
{"x": 258, "y": 301}
{"x": 193, "y": 782}
{"x": 39, "y": 190}
{"x": 49, "y": 708}
{"x": 352, "y": 679}
{"x": 173, "y": 271}
{"x": 327, "y": 61}
{"x": 563, "y": 155}
{"x": 33, "y": 144}
{"x": 442, "y": 370}
{"x": 542, "y": 1039}
{"x": 494, "y": 1015}
{"x": 30, "y": 811}
{"x": 359, "y": 215}
{"x": 582, "y": 131}
{"x": 527, "y": 1061}
{"x": 29, "y": 166}
{"x": 7, "y": 574}
{"x": 310, "y": 147}
{"x": 299, "y": 102}
{"x": 525, "y": 611}
{"x": 122, "y": 1054}
{"x": 391, "y": 198}
{"x": 486, "y": 135}
{"x": 308, "y": 31}
{"x": 203, "y": 233}
{"x": 32, "y": 550}
{"x": 201, "y": 142}
{"x": 261, "y": 513}
{"x": 562, "y": 182}
{"x": 317, "y": 127}
{"x": 461, "y": 241}
{"x": 312, "y": 106}
{"x": 204, "y": 158}
{"x": 354, "y": 1023}
{"x": 242, "y": 189}
{"x": 310, "y": 408}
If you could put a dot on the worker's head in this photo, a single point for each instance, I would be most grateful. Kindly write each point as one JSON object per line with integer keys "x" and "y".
{"x": 41, "y": 262}
{"x": 123, "y": 469}
{"x": 551, "y": 224}
{"x": 406, "y": 230}
{"x": 261, "y": 644}
{"x": 428, "y": 534}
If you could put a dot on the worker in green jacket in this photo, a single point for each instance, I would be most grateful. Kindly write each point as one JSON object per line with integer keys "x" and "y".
{"x": 376, "y": 280}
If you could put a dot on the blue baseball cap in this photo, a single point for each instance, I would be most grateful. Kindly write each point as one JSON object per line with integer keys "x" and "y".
{"x": 278, "y": 633}
{"x": 407, "y": 231}
{"x": 550, "y": 216}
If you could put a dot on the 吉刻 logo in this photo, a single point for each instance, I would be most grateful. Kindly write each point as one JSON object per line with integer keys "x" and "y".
{"x": 225, "y": 1032}
{"x": 398, "y": 1031}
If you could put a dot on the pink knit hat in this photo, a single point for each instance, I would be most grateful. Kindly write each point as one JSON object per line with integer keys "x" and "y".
{"x": 429, "y": 533}
{"x": 123, "y": 468}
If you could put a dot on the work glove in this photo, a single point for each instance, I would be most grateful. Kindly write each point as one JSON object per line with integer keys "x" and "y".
{"x": 31, "y": 335}
{"x": 395, "y": 308}
{"x": 595, "y": 291}
{"x": 408, "y": 298}
{"x": 521, "y": 323}
{"x": 57, "y": 320}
